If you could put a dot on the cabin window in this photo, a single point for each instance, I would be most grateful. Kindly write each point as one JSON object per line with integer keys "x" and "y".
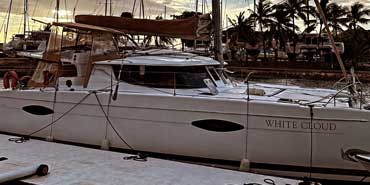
{"x": 163, "y": 77}
{"x": 104, "y": 44}
{"x": 76, "y": 41}
{"x": 68, "y": 39}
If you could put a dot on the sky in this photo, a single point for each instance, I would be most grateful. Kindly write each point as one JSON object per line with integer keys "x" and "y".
{"x": 45, "y": 9}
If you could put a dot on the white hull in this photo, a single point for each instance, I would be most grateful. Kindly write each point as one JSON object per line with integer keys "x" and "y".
{"x": 278, "y": 134}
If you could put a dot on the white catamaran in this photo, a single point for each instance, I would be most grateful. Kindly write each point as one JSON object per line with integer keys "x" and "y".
{"x": 84, "y": 91}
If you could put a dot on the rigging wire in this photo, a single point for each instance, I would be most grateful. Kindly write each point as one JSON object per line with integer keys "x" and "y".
{"x": 110, "y": 123}
{"x": 7, "y": 24}
{"x": 100, "y": 8}
{"x": 137, "y": 157}
{"x": 50, "y": 8}
{"x": 5, "y": 18}
{"x": 66, "y": 9}
{"x": 206, "y": 6}
{"x": 34, "y": 8}
{"x": 2, "y": 24}
{"x": 19, "y": 9}
{"x": 311, "y": 137}
{"x": 95, "y": 7}
{"x": 110, "y": 8}
{"x": 133, "y": 7}
{"x": 27, "y": 137}
{"x": 54, "y": 103}
{"x": 75, "y": 7}
{"x": 20, "y": 25}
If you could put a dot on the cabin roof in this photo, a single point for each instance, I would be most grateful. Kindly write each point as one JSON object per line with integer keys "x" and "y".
{"x": 86, "y": 27}
{"x": 158, "y": 57}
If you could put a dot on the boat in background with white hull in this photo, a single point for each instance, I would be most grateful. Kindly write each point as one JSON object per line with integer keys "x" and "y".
{"x": 177, "y": 103}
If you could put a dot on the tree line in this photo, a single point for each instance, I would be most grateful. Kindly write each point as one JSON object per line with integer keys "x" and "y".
{"x": 281, "y": 22}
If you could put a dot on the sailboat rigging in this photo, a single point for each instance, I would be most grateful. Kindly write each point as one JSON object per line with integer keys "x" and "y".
{"x": 7, "y": 22}
{"x": 352, "y": 87}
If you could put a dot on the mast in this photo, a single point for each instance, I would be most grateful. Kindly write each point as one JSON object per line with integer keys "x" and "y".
{"x": 57, "y": 9}
{"x": 106, "y": 8}
{"x": 165, "y": 12}
{"x": 133, "y": 8}
{"x": 142, "y": 7}
{"x": 25, "y": 17}
{"x": 351, "y": 88}
{"x": 110, "y": 8}
{"x": 203, "y": 9}
{"x": 216, "y": 14}
{"x": 254, "y": 5}
{"x": 323, "y": 19}
{"x": 196, "y": 6}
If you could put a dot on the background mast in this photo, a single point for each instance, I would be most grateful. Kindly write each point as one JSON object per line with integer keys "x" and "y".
{"x": 216, "y": 14}
{"x": 106, "y": 8}
{"x": 25, "y": 17}
{"x": 57, "y": 9}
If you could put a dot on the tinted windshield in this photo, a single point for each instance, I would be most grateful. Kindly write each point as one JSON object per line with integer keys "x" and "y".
{"x": 163, "y": 77}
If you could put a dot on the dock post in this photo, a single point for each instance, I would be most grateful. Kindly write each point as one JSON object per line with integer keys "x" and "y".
{"x": 244, "y": 165}
{"x": 105, "y": 144}
{"x": 50, "y": 138}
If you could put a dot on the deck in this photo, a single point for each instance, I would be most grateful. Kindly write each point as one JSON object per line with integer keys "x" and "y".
{"x": 85, "y": 166}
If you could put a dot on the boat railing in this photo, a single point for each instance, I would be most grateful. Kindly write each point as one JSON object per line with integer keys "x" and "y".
{"x": 352, "y": 97}
{"x": 246, "y": 81}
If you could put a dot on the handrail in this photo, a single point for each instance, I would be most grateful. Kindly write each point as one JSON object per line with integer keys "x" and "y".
{"x": 344, "y": 88}
{"x": 246, "y": 80}
{"x": 337, "y": 82}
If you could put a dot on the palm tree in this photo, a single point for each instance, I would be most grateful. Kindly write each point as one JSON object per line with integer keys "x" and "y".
{"x": 324, "y": 7}
{"x": 295, "y": 9}
{"x": 243, "y": 26}
{"x": 357, "y": 15}
{"x": 281, "y": 24}
{"x": 263, "y": 15}
{"x": 336, "y": 17}
{"x": 241, "y": 31}
{"x": 357, "y": 44}
{"x": 310, "y": 11}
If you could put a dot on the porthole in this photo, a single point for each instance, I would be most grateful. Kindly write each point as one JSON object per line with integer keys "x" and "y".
{"x": 217, "y": 125}
{"x": 38, "y": 110}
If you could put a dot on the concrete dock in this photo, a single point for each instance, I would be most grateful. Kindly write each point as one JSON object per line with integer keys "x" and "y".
{"x": 84, "y": 166}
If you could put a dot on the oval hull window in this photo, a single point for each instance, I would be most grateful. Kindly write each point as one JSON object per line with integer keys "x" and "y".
{"x": 217, "y": 125}
{"x": 38, "y": 110}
